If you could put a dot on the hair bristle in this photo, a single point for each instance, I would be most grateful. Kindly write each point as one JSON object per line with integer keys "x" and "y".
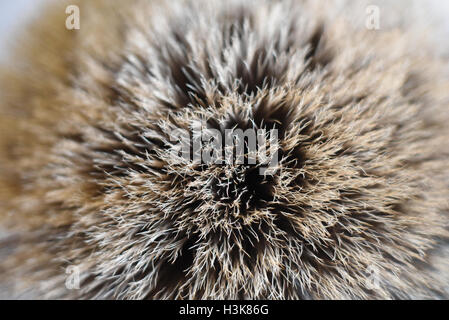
{"x": 89, "y": 179}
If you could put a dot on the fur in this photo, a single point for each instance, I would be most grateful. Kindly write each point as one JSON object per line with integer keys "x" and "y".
{"x": 88, "y": 179}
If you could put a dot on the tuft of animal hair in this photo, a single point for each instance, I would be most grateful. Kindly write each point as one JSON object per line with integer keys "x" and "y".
{"x": 88, "y": 178}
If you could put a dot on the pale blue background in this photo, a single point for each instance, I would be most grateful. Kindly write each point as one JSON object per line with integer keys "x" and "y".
{"x": 13, "y": 14}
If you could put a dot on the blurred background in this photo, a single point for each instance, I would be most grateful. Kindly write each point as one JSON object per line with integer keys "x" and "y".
{"x": 14, "y": 14}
